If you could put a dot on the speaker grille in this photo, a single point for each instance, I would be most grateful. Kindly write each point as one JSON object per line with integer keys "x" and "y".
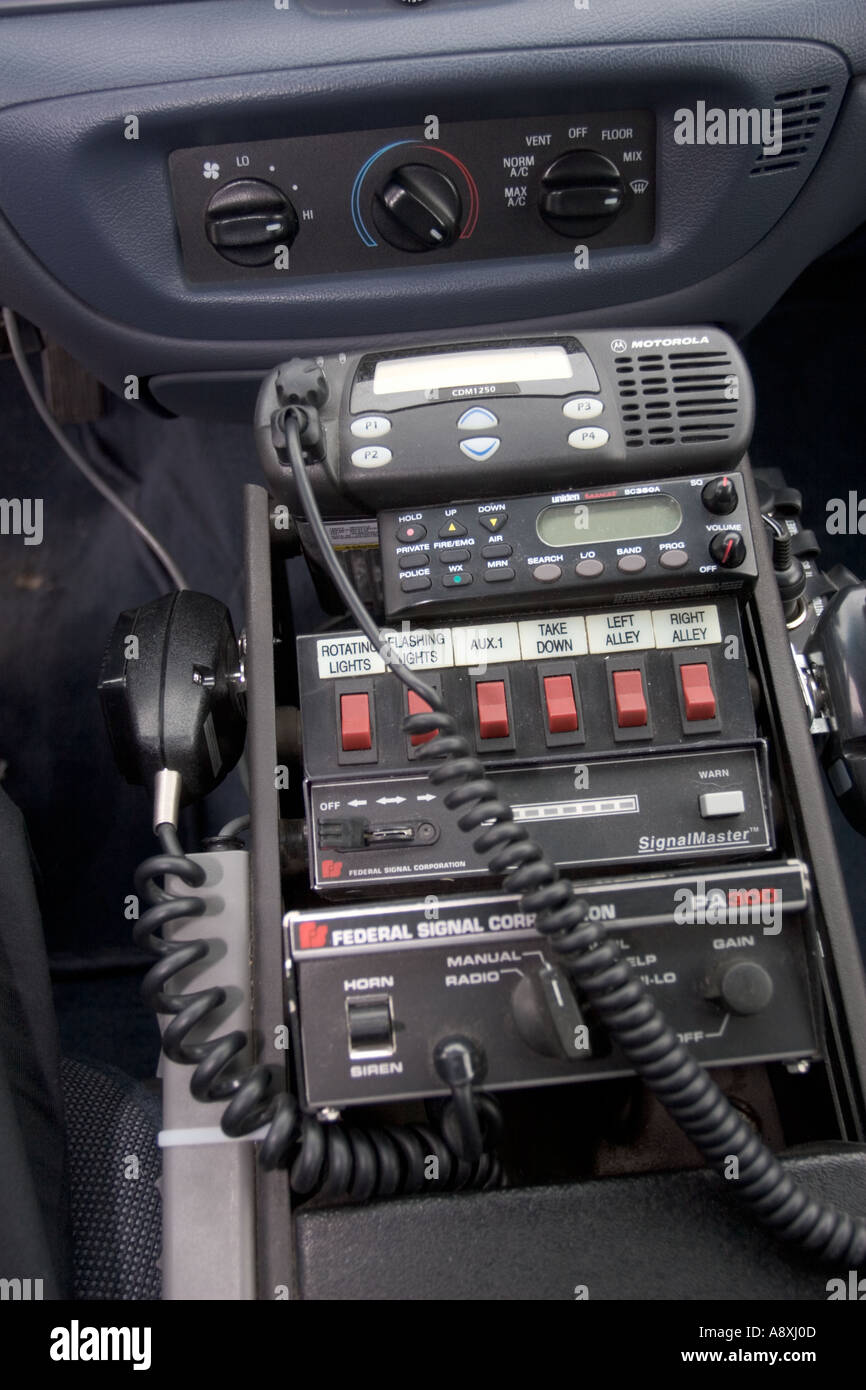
{"x": 677, "y": 397}
{"x": 801, "y": 116}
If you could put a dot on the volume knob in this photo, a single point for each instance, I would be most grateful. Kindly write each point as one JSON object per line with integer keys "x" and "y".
{"x": 728, "y": 549}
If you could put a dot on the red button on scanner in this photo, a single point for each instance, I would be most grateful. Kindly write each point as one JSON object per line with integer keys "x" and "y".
{"x": 419, "y": 706}
{"x": 631, "y": 711}
{"x": 492, "y": 709}
{"x": 698, "y": 698}
{"x": 355, "y": 732}
{"x": 561, "y": 708}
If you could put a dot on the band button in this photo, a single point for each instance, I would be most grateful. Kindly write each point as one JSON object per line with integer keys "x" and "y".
{"x": 631, "y": 564}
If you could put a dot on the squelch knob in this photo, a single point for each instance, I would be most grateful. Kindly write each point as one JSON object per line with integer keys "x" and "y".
{"x": 741, "y": 986}
{"x": 720, "y": 496}
{"x": 248, "y": 219}
{"x": 417, "y": 209}
{"x": 581, "y": 193}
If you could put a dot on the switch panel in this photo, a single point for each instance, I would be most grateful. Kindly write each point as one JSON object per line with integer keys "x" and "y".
{"x": 294, "y": 207}
{"x": 550, "y": 701}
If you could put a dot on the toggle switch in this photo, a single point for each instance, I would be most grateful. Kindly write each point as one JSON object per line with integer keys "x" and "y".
{"x": 561, "y": 706}
{"x": 355, "y": 728}
{"x": 699, "y": 701}
{"x": 631, "y": 706}
{"x": 492, "y": 709}
{"x": 419, "y": 706}
{"x": 370, "y": 1026}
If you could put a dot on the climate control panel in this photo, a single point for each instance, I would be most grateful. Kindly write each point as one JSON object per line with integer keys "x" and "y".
{"x": 445, "y": 191}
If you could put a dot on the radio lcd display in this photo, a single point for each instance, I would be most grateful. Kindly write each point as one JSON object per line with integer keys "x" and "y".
{"x": 438, "y": 371}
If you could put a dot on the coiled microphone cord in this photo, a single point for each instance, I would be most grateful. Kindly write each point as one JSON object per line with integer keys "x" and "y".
{"x": 328, "y": 1160}
{"x": 627, "y": 1010}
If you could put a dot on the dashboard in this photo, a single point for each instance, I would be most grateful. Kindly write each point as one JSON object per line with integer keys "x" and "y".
{"x": 192, "y": 191}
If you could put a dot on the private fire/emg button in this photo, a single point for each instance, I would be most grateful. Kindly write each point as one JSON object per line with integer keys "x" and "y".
{"x": 370, "y": 1026}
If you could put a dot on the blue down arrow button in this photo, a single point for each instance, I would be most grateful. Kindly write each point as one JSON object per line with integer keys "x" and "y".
{"x": 481, "y": 447}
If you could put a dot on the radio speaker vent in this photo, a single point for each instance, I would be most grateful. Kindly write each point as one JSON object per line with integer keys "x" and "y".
{"x": 686, "y": 396}
{"x": 802, "y": 113}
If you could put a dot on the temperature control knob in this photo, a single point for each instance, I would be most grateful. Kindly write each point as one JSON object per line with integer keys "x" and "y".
{"x": 417, "y": 209}
{"x": 728, "y": 549}
{"x": 248, "y": 219}
{"x": 581, "y": 193}
{"x": 720, "y": 496}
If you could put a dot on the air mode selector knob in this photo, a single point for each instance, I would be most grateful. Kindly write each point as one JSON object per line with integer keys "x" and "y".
{"x": 417, "y": 209}
{"x": 248, "y": 219}
{"x": 581, "y": 193}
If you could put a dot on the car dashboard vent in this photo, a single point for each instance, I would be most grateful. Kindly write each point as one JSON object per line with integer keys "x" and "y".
{"x": 801, "y": 115}
{"x": 677, "y": 397}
